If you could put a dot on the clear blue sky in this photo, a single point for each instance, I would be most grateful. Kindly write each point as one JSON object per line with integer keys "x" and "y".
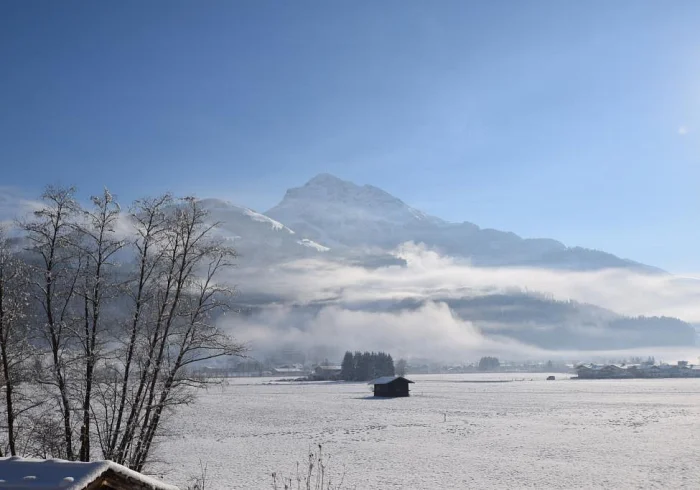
{"x": 573, "y": 120}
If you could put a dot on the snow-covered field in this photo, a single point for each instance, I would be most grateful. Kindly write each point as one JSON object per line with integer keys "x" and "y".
{"x": 529, "y": 433}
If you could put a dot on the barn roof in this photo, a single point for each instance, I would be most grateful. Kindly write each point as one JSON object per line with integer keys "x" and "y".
{"x": 44, "y": 474}
{"x": 385, "y": 380}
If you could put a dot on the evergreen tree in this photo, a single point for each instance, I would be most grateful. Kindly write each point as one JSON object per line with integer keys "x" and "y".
{"x": 365, "y": 366}
{"x": 489, "y": 364}
{"x": 356, "y": 366}
{"x": 374, "y": 366}
{"x": 390, "y": 366}
{"x": 347, "y": 368}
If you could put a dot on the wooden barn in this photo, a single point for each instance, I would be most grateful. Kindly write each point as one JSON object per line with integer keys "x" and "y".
{"x": 391, "y": 386}
{"x": 23, "y": 474}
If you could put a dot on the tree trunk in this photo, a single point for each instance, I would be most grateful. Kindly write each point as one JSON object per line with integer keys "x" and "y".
{"x": 9, "y": 382}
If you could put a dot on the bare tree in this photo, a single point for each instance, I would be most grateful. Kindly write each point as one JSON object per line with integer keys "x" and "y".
{"x": 183, "y": 332}
{"x": 150, "y": 221}
{"x": 121, "y": 343}
{"x": 97, "y": 243}
{"x": 401, "y": 365}
{"x": 55, "y": 275}
{"x": 14, "y": 332}
{"x": 175, "y": 297}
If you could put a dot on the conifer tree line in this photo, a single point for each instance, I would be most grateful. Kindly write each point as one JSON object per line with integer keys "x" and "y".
{"x": 489, "y": 363}
{"x": 103, "y": 312}
{"x": 365, "y": 366}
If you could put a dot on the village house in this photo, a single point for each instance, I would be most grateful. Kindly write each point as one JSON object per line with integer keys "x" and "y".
{"x": 609, "y": 371}
{"x": 29, "y": 474}
{"x": 289, "y": 370}
{"x": 326, "y": 373}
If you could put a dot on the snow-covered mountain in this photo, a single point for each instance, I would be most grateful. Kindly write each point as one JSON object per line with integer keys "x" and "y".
{"x": 340, "y": 221}
{"x": 344, "y": 215}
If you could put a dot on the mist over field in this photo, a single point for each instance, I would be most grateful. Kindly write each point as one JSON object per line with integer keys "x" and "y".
{"x": 420, "y": 302}
{"x": 425, "y": 308}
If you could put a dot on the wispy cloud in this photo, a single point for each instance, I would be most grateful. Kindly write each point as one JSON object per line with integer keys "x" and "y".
{"x": 432, "y": 331}
{"x": 431, "y": 275}
{"x": 14, "y": 205}
{"x": 683, "y": 130}
{"x": 322, "y": 302}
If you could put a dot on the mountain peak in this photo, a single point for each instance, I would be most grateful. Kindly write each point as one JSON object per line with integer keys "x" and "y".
{"x": 326, "y": 190}
{"x": 328, "y": 187}
{"x": 337, "y": 212}
{"x": 326, "y": 179}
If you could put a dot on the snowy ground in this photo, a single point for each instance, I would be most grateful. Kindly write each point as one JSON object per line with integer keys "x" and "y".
{"x": 523, "y": 434}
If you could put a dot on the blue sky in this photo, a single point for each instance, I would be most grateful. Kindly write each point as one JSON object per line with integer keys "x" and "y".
{"x": 573, "y": 120}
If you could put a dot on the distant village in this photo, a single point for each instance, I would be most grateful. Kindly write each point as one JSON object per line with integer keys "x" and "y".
{"x": 357, "y": 366}
{"x": 319, "y": 372}
{"x": 326, "y": 370}
{"x": 642, "y": 370}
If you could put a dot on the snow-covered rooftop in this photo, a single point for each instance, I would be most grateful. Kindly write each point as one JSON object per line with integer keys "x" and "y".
{"x": 386, "y": 380}
{"x": 21, "y": 474}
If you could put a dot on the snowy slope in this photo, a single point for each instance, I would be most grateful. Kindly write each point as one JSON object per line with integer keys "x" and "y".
{"x": 256, "y": 237}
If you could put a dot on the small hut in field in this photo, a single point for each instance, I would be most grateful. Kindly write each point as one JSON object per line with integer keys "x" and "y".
{"x": 391, "y": 386}
{"x": 24, "y": 474}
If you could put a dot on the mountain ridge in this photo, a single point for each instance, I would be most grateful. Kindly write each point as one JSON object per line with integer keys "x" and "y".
{"x": 342, "y": 214}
